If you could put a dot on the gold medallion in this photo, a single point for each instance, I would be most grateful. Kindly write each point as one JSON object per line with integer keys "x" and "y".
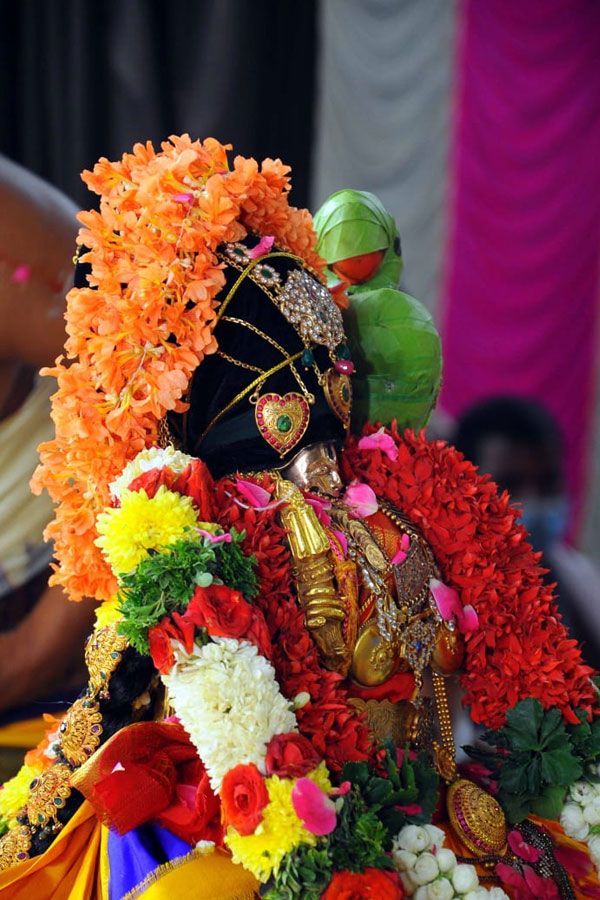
{"x": 282, "y": 421}
{"x": 338, "y": 393}
{"x": 476, "y": 818}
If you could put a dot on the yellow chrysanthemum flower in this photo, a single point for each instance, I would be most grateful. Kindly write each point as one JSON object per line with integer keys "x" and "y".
{"x": 280, "y": 831}
{"x": 15, "y": 792}
{"x": 141, "y": 524}
{"x": 109, "y": 612}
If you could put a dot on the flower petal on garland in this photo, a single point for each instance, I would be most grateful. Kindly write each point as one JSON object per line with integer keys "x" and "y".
{"x": 360, "y": 500}
{"x": 380, "y": 441}
{"x": 313, "y": 807}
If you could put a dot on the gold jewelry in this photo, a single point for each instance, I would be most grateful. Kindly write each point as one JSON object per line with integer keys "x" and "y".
{"x": 48, "y": 794}
{"x": 80, "y": 731}
{"x": 238, "y": 362}
{"x": 338, "y": 393}
{"x": 103, "y": 652}
{"x": 247, "y": 390}
{"x": 245, "y": 271}
{"x": 15, "y": 846}
{"x": 270, "y": 340}
{"x": 282, "y": 421}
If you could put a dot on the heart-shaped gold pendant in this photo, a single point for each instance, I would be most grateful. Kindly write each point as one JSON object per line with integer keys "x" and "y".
{"x": 282, "y": 420}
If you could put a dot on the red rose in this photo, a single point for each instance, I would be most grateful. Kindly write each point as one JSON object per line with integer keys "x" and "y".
{"x": 372, "y": 884}
{"x": 194, "y": 813}
{"x": 160, "y": 649}
{"x": 151, "y": 480}
{"x": 244, "y": 795}
{"x": 196, "y": 482}
{"x": 258, "y": 634}
{"x": 291, "y": 756}
{"x": 222, "y": 611}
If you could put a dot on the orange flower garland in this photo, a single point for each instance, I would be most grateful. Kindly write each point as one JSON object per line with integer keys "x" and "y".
{"x": 146, "y": 321}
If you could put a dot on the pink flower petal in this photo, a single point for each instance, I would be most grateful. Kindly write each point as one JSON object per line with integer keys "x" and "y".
{"x": 405, "y": 542}
{"x": 344, "y": 788}
{"x": 467, "y": 619}
{"x": 184, "y": 198}
{"x": 380, "y": 441}
{"x": 360, "y": 499}
{"x": 413, "y": 809}
{"x": 215, "y": 538}
{"x": 343, "y": 541}
{"x": 313, "y": 807}
{"x": 521, "y": 848}
{"x": 263, "y": 247}
{"x": 320, "y": 507}
{"x": 253, "y": 493}
{"x": 399, "y": 557}
{"x": 21, "y": 274}
{"x": 446, "y": 599}
{"x": 118, "y": 767}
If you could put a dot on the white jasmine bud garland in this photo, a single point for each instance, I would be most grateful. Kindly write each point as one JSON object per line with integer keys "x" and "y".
{"x": 464, "y": 879}
{"x": 580, "y": 816}
{"x": 228, "y": 700}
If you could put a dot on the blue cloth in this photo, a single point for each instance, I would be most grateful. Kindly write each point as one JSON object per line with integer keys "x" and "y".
{"x": 137, "y": 854}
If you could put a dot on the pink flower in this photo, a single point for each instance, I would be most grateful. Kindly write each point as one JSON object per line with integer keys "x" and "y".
{"x": 313, "y": 807}
{"x": 184, "y": 198}
{"x": 521, "y": 848}
{"x": 514, "y": 879}
{"x": 449, "y": 605}
{"x": 360, "y": 499}
{"x": 21, "y": 274}
{"x": 380, "y": 441}
{"x": 263, "y": 247}
{"x": 344, "y": 788}
{"x": 343, "y": 540}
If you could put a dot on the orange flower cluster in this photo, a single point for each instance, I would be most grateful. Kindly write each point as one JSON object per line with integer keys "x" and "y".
{"x": 521, "y": 648}
{"x": 139, "y": 330}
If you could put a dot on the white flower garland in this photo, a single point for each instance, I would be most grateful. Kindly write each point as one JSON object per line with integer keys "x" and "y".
{"x": 580, "y": 816}
{"x": 228, "y": 700}
{"x": 430, "y": 871}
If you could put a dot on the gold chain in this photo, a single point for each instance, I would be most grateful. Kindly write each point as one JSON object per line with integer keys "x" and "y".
{"x": 238, "y": 362}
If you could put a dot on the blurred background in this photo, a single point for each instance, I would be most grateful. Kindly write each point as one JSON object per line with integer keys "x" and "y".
{"x": 476, "y": 121}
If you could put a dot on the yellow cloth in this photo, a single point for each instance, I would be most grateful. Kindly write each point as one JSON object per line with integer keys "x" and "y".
{"x": 68, "y": 870}
{"x": 25, "y": 734}
{"x": 212, "y": 877}
{"x": 75, "y": 867}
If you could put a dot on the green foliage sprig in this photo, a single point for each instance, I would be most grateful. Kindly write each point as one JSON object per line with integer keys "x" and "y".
{"x": 164, "y": 581}
{"x": 537, "y": 757}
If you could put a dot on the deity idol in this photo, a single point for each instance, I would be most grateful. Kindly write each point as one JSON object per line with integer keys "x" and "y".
{"x": 284, "y": 601}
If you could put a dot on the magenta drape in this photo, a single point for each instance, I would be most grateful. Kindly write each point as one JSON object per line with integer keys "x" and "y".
{"x": 521, "y": 283}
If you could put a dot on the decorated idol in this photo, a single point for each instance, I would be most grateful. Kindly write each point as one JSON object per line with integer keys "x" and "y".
{"x": 287, "y": 592}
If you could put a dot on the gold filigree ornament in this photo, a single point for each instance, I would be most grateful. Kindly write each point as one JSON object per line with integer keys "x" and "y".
{"x": 103, "y": 653}
{"x": 48, "y": 794}
{"x": 80, "y": 731}
{"x": 338, "y": 393}
{"x": 282, "y": 421}
{"x": 15, "y": 846}
{"x": 476, "y": 818}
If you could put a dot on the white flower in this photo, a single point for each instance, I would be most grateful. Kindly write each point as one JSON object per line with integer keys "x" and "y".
{"x": 425, "y": 869}
{"x": 421, "y": 893}
{"x": 413, "y": 838}
{"x": 496, "y": 893}
{"x": 153, "y": 458}
{"x": 229, "y": 702}
{"x": 440, "y": 890}
{"x": 571, "y": 819}
{"x": 403, "y": 859}
{"x": 479, "y": 893}
{"x": 446, "y": 859}
{"x": 464, "y": 878}
{"x": 436, "y": 835}
{"x": 582, "y": 792}
{"x": 591, "y": 812}
{"x": 408, "y": 883}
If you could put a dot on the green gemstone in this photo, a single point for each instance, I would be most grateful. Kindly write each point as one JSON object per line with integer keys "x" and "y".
{"x": 284, "y": 423}
{"x": 307, "y": 358}
{"x": 266, "y": 273}
{"x": 345, "y": 393}
{"x": 238, "y": 251}
{"x": 343, "y": 351}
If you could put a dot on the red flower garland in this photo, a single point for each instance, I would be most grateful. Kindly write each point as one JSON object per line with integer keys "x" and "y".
{"x": 521, "y": 648}
{"x": 335, "y": 729}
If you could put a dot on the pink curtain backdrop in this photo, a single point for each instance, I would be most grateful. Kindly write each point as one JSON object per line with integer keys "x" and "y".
{"x": 521, "y": 282}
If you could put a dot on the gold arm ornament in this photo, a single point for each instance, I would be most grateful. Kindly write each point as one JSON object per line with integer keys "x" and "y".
{"x": 324, "y": 609}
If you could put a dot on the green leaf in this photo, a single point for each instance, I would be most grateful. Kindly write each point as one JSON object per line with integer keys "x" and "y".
{"x": 356, "y": 773}
{"x": 524, "y": 721}
{"x": 549, "y": 805}
{"x": 559, "y": 767}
